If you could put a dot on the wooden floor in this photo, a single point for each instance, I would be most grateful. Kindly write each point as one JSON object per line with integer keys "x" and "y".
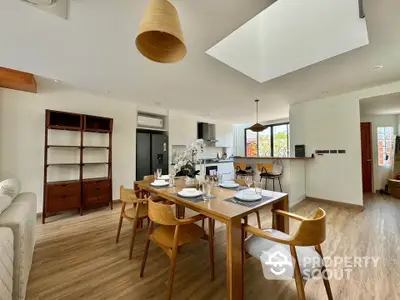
{"x": 77, "y": 258}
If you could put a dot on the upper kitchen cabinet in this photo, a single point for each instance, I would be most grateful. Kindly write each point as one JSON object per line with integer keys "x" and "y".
{"x": 224, "y": 135}
{"x": 182, "y": 129}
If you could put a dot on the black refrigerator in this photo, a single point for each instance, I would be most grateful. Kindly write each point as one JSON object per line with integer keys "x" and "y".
{"x": 151, "y": 153}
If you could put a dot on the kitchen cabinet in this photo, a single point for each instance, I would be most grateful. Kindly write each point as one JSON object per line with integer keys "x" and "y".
{"x": 182, "y": 130}
{"x": 227, "y": 170}
{"x": 224, "y": 135}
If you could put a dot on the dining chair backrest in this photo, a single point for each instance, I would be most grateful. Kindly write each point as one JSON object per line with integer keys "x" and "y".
{"x": 263, "y": 168}
{"x": 161, "y": 213}
{"x": 148, "y": 178}
{"x": 311, "y": 232}
{"x": 128, "y": 195}
{"x": 277, "y": 168}
{"x": 239, "y": 166}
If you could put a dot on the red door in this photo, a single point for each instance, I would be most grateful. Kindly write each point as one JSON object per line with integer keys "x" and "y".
{"x": 366, "y": 157}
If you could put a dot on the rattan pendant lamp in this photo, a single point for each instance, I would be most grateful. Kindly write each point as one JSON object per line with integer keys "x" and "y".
{"x": 257, "y": 127}
{"x": 160, "y": 36}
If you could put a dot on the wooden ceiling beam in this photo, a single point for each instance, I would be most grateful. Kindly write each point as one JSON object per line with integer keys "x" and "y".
{"x": 17, "y": 80}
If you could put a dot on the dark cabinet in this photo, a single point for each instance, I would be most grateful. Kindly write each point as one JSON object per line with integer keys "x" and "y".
{"x": 80, "y": 193}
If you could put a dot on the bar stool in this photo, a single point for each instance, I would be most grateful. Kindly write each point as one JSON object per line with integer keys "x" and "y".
{"x": 241, "y": 170}
{"x": 271, "y": 171}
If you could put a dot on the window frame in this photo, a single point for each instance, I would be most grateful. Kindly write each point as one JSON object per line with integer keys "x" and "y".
{"x": 270, "y": 126}
{"x": 392, "y": 146}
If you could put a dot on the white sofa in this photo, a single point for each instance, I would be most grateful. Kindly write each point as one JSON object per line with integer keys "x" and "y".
{"x": 6, "y": 263}
{"x": 20, "y": 217}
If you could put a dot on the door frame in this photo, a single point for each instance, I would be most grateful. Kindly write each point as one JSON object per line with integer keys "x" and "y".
{"x": 372, "y": 156}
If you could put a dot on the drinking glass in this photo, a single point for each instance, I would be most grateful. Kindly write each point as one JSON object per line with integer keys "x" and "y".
{"x": 159, "y": 173}
{"x": 248, "y": 180}
{"x": 258, "y": 187}
{"x": 206, "y": 189}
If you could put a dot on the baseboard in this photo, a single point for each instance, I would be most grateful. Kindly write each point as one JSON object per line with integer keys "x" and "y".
{"x": 39, "y": 214}
{"x": 347, "y": 205}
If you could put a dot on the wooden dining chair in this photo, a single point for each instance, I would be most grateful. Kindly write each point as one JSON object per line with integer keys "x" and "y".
{"x": 243, "y": 183}
{"x": 173, "y": 233}
{"x": 304, "y": 246}
{"x": 135, "y": 215}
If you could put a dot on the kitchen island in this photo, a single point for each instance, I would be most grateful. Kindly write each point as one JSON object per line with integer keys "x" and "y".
{"x": 293, "y": 178}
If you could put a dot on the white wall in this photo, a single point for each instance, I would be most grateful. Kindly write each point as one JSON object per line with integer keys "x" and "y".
{"x": 380, "y": 173}
{"x": 22, "y": 127}
{"x": 333, "y": 123}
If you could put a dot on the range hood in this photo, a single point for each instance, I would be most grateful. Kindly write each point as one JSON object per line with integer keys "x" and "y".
{"x": 206, "y": 131}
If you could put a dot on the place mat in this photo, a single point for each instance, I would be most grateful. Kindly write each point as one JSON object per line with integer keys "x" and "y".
{"x": 195, "y": 199}
{"x": 249, "y": 204}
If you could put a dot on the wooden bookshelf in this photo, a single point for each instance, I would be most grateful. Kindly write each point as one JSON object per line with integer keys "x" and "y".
{"x": 76, "y": 194}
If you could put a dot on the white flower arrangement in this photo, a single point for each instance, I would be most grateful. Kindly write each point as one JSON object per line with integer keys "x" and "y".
{"x": 186, "y": 160}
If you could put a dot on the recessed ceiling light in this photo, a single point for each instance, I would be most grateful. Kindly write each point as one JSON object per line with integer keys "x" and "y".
{"x": 57, "y": 81}
{"x": 108, "y": 92}
{"x": 157, "y": 103}
{"x": 208, "y": 114}
{"x": 325, "y": 93}
{"x": 375, "y": 68}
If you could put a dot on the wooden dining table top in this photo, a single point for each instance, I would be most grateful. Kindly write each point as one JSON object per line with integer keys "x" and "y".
{"x": 217, "y": 207}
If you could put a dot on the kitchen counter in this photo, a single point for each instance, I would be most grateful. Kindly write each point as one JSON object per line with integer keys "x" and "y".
{"x": 221, "y": 161}
{"x": 293, "y": 175}
{"x": 264, "y": 157}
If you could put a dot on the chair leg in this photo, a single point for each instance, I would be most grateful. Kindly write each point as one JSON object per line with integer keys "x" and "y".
{"x": 135, "y": 224}
{"x": 211, "y": 245}
{"x": 173, "y": 263}
{"x": 258, "y": 219}
{"x": 202, "y": 223}
{"x": 146, "y": 250}
{"x": 273, "y": 184}
{"x": 280, "y": 185}
{"x": 323, "y": 270}
{"x": 297, "y": 275}
{"x": 120, "y": 222}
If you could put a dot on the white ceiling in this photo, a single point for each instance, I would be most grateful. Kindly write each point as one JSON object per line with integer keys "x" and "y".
{"x": 290, "y": 35}
{"x": 381, "y": 105}
{"x": 95, "y": 50}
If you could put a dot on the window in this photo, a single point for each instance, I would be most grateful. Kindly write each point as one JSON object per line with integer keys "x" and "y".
{"x": 251, "y": 143}
{"x": 386, "y": 141}
{"x": 272, "y": 142}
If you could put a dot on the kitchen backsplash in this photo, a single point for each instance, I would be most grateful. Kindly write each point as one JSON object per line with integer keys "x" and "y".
{"x": 209, "y": 152}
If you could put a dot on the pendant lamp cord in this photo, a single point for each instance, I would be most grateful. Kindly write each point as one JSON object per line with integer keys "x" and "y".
{"x": 257, "y": 110}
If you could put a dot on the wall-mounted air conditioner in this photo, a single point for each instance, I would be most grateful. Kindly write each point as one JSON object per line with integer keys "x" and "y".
{"x": 146, "y": 121}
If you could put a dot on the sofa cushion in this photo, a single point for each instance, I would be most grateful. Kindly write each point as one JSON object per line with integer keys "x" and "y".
{"x": 6, "y": 263}
{"x": 5, "y": 202}
{"x": 10, "y": 187}
{"x": 20, "y": 217}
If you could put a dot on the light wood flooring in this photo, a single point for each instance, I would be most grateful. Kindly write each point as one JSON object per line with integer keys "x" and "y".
{"x": 77, "y": 258}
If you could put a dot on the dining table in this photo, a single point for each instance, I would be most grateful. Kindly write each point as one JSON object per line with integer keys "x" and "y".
{"x": 223, "y": 208}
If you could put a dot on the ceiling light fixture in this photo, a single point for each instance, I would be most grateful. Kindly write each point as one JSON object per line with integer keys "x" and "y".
{"x": 57, "y": 81}
{"x": 160, "y": 36}
{"x": 257, "y": 127}
{"x": 375, "y": 68}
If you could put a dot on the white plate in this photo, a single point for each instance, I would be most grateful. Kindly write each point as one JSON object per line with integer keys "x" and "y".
{"x": 230, "y": 184}
{"x": 164, "y": 177}
{"x": 248, "y": 195}
{"x": 159, "y": 183}
{"x": 190, "y": 193}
